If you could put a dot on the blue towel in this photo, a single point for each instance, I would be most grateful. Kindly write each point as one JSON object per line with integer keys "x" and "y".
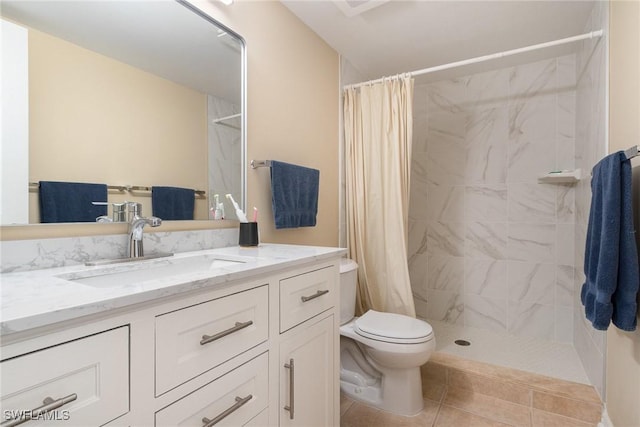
{"x": 172, "y": 203}
{"x": 71, "y": 201}
{"x": 611, "y": 256}
{"x": 294, "y": 195}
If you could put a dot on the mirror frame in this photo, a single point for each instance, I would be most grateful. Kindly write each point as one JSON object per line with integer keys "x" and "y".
{"x": 34, "y": 231}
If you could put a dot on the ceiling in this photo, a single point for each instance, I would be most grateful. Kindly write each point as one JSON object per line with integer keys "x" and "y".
{"x": 387, "y": 37}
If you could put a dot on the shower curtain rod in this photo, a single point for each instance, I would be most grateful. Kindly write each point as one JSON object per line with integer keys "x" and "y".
{"x": 484, "y": 58}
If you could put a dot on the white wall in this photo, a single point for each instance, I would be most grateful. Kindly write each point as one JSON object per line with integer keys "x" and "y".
{"x": 14, "y": 151}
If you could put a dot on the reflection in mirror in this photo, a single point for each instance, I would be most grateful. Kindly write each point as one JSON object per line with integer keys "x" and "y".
{"x": 133, "y": 95}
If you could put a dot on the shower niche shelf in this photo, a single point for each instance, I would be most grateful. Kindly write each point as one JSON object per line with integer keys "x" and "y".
{"x": 561, "y": 177}
{"x": 228, "y": 121}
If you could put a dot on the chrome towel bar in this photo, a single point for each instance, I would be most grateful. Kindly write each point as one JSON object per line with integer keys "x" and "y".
{"x": 260, "y": 164}
{"x": 122, "y": 188}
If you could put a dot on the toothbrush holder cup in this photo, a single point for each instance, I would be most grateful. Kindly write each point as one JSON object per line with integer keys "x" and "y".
{"x": 248, "y": 235}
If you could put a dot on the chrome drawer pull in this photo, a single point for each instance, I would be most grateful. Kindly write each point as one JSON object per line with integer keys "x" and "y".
{"x": 206, "y": 339}
{"x": 48, "y": 405}
{"x": 290, "y": 367}
{"x": 314, "y": 296}
{"x": 239, "y": 402}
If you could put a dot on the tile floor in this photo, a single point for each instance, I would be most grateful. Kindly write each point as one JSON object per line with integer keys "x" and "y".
{"x": 459, "y": 392}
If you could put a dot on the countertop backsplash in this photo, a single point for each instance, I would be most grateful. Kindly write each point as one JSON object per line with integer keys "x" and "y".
{"x": 25, "y": 255}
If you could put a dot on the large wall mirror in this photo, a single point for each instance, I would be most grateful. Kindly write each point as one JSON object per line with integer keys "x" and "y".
{"x": 128, "y": 94}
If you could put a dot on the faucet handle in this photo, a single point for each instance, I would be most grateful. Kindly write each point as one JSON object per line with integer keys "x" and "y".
{"x": 119, "y": 211}
{"x": 133, "y": 209}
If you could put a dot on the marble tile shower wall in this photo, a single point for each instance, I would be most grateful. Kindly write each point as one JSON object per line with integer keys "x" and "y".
{"x": 591, "y": 131}
{"x": 490, "y": 247}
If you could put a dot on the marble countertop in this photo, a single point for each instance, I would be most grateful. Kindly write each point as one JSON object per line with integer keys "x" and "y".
{"x": 38, "y": 298}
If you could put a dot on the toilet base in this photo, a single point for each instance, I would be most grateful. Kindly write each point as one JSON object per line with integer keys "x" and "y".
{"x": 402, "y": 391}
{"x": 367, "y": 394}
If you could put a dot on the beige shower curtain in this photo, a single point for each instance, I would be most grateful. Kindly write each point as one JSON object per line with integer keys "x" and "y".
{"x": 378, "y": 128}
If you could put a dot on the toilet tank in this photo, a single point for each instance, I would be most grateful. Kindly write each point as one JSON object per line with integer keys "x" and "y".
{"x": 348, "y": 281}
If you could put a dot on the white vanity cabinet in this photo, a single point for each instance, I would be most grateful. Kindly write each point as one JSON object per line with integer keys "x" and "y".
{"x": 234, "y": 354}
{"x": 309, "y": 348}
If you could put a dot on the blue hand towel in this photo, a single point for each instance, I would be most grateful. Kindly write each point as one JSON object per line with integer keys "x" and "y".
{"x": 172, "y": 203}
{"x": 294, "y": 195}
{"x": 71, "y": 201}
{"x": 611, "y": 256}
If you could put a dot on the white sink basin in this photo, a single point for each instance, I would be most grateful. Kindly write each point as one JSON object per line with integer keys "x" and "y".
{"x": 144, "y": 271}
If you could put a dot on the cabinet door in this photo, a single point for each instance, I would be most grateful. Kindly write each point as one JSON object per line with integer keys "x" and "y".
{"x": 307, "y": 375}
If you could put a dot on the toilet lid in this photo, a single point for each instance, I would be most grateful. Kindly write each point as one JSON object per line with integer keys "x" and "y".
{"x": 390, "y": 327}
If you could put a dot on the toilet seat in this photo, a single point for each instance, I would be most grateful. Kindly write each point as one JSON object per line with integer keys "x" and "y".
{"x": 392, "y": 328}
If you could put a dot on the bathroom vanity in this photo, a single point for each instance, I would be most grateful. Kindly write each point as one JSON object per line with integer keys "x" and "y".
{"x": 231, "y": 336}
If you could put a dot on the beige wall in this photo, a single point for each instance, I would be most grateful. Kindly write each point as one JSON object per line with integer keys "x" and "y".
{"x": 292, "y": 113}
{"x": 75, "y": 95}
{"x": 623, "y": 348}
{"x": 292, "y": 109}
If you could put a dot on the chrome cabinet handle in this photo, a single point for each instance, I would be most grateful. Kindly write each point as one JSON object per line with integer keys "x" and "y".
{"x": 290, "y": 367}
{"x": 206, "y": 339}
{"x": 239, "y": 402}
{"x": 314, "y": 296}
{"x": 48, "y": 405}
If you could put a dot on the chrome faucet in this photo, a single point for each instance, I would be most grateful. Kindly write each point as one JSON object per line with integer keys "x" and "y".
{"x": 136, "y": 226}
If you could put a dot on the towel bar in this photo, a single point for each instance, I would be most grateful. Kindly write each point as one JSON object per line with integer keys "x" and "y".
{"x": 629, "y": 153}
{"x": 260, "y": 163}
{"x": 122, "y": 188}
{"x": 632, "y": 152}
{"x": 130, "y": 188}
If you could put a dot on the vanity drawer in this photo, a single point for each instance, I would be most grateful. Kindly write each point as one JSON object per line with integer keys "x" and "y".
{"x": 242, "y": 393}
{"x": 305, "y": 295}
{"x": 91, "y": 374}
{"x": 195, "y": 339}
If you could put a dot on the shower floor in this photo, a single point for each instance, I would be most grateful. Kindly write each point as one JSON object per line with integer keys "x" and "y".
{"x": 535, "y": 355}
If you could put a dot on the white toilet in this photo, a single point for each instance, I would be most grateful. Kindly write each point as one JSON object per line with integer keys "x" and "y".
{"x": 381, "y": 353}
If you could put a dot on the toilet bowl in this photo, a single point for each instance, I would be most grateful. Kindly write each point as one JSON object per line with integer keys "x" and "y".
{"x": 381, "y": 353}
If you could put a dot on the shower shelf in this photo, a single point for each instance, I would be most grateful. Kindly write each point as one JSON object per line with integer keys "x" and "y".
{"x": 561, "y": 177}
{"x": 222, "y": 121}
